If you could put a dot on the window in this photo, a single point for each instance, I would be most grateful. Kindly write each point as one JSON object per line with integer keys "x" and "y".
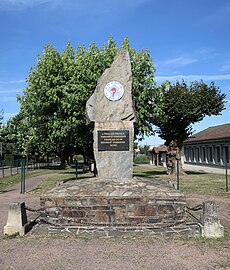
{"x": 197, "y": 154}
{"x": 226, "y": 151}
{"x": 186, "y": 153}
{"x": 218, "y": 154}
{"x": 204, "y": 154}
{"x": 192, "y": 154}
{"x": 210, "y": 154}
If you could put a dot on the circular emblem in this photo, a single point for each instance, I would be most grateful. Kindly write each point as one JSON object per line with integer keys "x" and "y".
{"x": 114, "y": 90}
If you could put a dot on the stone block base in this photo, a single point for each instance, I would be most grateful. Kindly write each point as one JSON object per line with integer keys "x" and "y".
{"x": 133, "y": 203}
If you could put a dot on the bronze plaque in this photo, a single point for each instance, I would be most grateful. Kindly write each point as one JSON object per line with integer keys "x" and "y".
{"x": 113, "y": 140}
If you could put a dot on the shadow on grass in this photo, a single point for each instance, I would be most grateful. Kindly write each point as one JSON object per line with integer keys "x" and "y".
{"x": 150, "y": 173}
{"x": 194, "y": 173}
{"x": 53, "y": 168}
{"x": 74, "y": 172}
{"x": 82, "y": 176}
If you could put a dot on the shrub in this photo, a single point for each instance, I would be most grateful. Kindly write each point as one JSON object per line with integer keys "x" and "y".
{"x": 141, "y": 159}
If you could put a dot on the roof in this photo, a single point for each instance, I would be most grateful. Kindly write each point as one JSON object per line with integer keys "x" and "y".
{"x": 211, "y": 133}
{"x": 159, "y": 148}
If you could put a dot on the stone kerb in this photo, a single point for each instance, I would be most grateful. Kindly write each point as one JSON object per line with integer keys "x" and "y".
{"x": 211, "y": 224}
{"x": 17, "y": 220}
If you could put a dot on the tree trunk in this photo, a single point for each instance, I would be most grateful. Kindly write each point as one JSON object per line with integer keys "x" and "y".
{"x": 174, "y": 154}
{"x": 63, "y": 161}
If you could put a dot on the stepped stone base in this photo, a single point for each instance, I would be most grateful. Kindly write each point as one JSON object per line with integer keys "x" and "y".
{"x": 133, "y": 204}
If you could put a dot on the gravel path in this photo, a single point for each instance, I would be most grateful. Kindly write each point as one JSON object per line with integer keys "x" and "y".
{"x": 61, "y": 252}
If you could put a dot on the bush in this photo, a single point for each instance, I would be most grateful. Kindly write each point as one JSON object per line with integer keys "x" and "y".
{"x": 141, "y": 159}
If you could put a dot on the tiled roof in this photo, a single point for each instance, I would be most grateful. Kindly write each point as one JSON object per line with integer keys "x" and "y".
{"x": 211, "y": 133}
{"x": 159, "y": 148}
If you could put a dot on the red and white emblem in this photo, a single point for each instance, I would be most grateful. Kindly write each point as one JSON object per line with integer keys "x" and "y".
{"x": 114, "y": 90}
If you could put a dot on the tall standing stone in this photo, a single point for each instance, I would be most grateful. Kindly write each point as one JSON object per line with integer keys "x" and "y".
{"x": 112, "y": 111}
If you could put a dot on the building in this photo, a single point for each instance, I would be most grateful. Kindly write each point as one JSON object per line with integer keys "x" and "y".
{"x": 210, "y": 147}
{"x": 158, "y": 155}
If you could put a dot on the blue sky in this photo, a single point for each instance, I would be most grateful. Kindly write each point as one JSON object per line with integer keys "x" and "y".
{"x": 187, "y": 39}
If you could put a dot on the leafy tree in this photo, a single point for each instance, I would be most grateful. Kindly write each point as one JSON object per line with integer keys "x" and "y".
{"x": 13, "y": 135}
{"x": 144, "y": 90}
{"x": 1, "y": 117}
{"x": 182, "y": 106}
{"x": 144, "y": 150}
{"x": 59, "y": 86}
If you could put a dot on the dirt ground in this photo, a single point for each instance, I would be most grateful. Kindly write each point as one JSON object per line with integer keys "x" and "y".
{"x": 62, "y": 252}
{"x": 223, "y": 204}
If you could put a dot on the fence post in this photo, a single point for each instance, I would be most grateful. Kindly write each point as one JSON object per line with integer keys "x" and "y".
{"x": 3, "y": 165}
{"x": 23, "y": 169}
{"x": 178, "y": 174}
{"x": 226, "y": 169}
{"x": 76, "y": 167}
{"x": 11, "y": 165}
{"x": 17, "y": 163}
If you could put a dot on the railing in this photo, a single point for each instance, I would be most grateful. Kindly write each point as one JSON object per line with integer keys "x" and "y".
{"x": 10, "y": 167}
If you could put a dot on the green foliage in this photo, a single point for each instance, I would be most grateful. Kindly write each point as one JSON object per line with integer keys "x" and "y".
{"x": 141, "y": 159}
{"x": 1, "y": 117}
{"x": 184, "y": 105}
{"x": 144, "y": 150}
{"x": 58, "y": 88}
{"x": 144, "y": 91}
{"x": 14, "y": 135}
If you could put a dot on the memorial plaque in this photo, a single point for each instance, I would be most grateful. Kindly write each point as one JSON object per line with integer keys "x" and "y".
{"x": 113, "y": 140}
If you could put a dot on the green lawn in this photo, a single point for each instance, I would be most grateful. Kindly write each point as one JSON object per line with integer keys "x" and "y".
{"x": 10, "y": 180}
{"x": 192, "y": 182}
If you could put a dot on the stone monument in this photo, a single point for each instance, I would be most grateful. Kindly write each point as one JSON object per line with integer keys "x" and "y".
{"x": 115, "y": 201}
{"x": 112, "y": 111}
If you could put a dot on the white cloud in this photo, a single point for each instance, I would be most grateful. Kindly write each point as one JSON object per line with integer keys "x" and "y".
{"x": 180, "y": 77}
{"x": 13, "y": 81}
{"x": 10, "y": 91}
{"x": 204, "y": 51}
{"x": 86, "y": 5}
{"x": 181, "y": 61}
{"x": 8, "y": 115}
{"x": 21, "y": 4}
{"x": 7, "y": 99}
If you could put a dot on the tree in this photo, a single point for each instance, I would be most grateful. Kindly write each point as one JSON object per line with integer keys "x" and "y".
{"x": 13, "y": 135}
{"x": 182, "y": 106}
{"x": 144, "y": 150}
{"x": 59, "y": 86}
{"x": 1, "y": 117}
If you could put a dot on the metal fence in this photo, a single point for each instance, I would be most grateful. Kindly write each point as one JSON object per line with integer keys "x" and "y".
{"x": 10, "y": 167}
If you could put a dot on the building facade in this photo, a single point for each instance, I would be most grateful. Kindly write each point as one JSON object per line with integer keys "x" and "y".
{"x": 158, "y": 155}
{"x": 210, "y": 147}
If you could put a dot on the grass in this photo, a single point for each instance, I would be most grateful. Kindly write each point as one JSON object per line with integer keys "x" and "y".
{"x": 14, "y": 179}
{"x": 192, "y": 182}
{"x": 52, "y": 181}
